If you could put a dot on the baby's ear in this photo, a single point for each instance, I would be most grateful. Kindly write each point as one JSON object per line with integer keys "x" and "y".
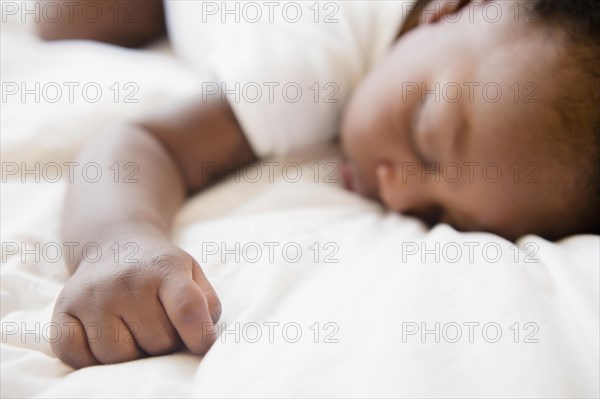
{"x": 435, "y": 10}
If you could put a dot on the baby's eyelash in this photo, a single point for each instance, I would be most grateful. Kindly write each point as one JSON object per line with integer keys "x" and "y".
{"x": 417, "y": 151}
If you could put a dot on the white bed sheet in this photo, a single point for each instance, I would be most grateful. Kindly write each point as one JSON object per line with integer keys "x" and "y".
{"x": 374, "y": 293}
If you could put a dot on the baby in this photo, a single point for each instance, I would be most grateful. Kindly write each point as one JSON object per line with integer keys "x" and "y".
{"x": 479, "y": 114}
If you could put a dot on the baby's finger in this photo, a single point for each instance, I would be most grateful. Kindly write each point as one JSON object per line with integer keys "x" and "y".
{"x": 111, "y": 340}
{"x": 71, "y": 345}
{"x": 152, "y": 328}
{"x": 214, "y": 304}
{"x": 187, "y": 308}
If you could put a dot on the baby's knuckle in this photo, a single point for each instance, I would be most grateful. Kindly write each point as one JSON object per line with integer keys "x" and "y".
{"x": 162, "y": 344}
{"x": 164, "y": 261}
{"x": 187, "y": 312}
{"x": 93, "y": 298}
{"x": 127, "y": 280}
{"x": 87, "y": 290}
{"x": 116, "y": 355}
{"x": 202, "y": 344}
{"x": 64, "y": 302}
{"x": 64, "y": 351}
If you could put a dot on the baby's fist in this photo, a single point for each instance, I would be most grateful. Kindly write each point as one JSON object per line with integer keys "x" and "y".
{"x": 111, "y": 312}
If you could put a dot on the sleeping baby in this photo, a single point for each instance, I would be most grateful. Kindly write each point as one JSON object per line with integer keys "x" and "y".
{"x": 479, "y": 114}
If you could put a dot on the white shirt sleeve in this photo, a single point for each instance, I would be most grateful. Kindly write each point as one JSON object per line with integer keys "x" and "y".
{"x": 288, "y": 75}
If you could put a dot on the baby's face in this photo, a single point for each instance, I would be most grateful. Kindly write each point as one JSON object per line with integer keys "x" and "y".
{"x": 472, "y": 152}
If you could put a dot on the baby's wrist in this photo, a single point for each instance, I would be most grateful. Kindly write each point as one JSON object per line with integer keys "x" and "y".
{"x": 122, "y": 242}
{"x": 131, "y": 230}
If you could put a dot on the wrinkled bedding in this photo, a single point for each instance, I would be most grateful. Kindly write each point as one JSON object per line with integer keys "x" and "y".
{"x": 323, "y": 292}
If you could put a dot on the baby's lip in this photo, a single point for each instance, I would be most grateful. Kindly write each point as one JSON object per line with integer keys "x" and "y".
{"x": 348, "y": 176}
{"x": 353, "y": 183}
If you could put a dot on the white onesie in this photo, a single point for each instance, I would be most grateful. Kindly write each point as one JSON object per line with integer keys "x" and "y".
{"x": 287, "y": 68}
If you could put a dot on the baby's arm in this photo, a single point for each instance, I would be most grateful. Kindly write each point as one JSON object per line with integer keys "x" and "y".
{"x": 129, "y": 23}
{"x": 160, "y": 293}
{"x": 142, "y": 284}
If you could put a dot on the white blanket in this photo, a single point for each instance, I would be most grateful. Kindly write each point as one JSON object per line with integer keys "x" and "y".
{"x": 329, "y": 295}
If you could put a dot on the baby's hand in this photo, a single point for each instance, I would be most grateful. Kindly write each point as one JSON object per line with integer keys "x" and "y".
{"x": 111, "y": 312}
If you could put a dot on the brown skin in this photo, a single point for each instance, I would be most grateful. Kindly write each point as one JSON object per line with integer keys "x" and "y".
{"x": 386, "y": 132}
{"x": 128, "y": 23}
{"x": 163, "y": 302}
{"x": 165, "y": 297}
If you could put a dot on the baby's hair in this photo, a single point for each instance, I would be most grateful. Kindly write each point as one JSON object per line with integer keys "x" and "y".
{"x": 581, "y": 17}
{"x": 579, "y": 104}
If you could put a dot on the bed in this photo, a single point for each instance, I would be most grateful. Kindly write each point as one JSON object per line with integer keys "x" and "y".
{"x": 323, "y": 292}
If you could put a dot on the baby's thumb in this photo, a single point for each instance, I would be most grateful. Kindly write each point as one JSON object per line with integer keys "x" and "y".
{"x": 214, "y": 304}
